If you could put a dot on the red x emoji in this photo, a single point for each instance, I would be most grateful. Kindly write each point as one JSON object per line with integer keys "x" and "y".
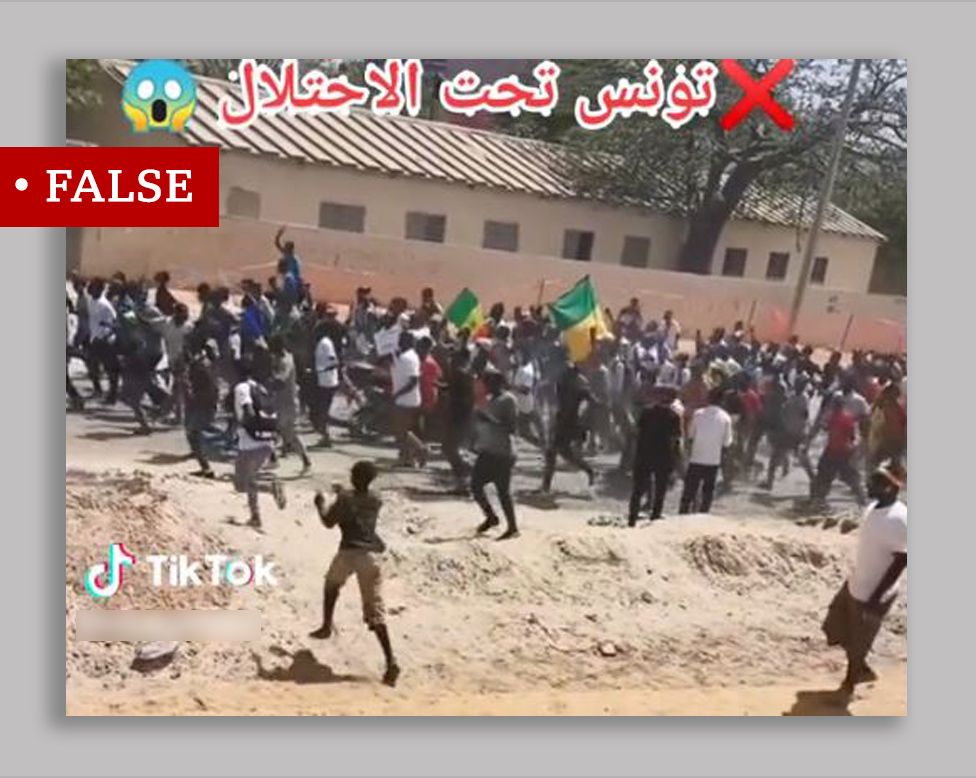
{"x": 756, "y": 93}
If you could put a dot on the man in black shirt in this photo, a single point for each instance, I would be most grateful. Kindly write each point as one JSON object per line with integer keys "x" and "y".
{"x": 359, "y": 554}
{"x": 571, "y": 391}
{"x": 494, "y": 426}
{"x": 458, "y": 408}
{"x": 657, "y": 451}
{"x": 202, "y": 396}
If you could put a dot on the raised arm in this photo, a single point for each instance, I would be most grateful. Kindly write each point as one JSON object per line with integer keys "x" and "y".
{"x": 328, "y": 516}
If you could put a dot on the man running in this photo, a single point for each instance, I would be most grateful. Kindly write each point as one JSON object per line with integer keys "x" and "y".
{"x": 493, "y": 429}
{"x": 175, "y": 329}
{"x": 458, "y": 412}
{"x": 710, "y": 434}
{"x": 658, "y": 451}
{"x": 101, "y": 326}
{"x": 360, "y": 554}
{"x": 789, "y": 432}
{"x": 571, "y": 391}
{"x": 202, "y": 396}
{"x": 838, "y": 458}
{"x": 430, "y": 380}
{"x": 327, "y": 381}
{"x": 284, "y": 382}
{"x": 256, "y": 427}
{"x": 405, "y": 376}
{"x": 524, "y": 384}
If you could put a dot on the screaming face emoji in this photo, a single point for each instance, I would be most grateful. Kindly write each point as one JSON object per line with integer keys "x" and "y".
{"x": 159, "y": 95}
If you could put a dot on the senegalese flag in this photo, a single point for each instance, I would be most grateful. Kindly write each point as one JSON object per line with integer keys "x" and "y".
{"x": 465, "y": 311}
{"x": 577, "y": 314}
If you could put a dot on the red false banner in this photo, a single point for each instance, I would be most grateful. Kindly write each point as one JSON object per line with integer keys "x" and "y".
{"x": 69, "y": 186}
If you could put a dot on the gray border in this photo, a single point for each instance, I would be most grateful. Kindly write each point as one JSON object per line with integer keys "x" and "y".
{"x": 937, "y": 736}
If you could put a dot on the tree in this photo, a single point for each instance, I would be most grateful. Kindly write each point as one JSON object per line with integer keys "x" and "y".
{"x": 79, "y": 80}
{"x": 703, "y": 172}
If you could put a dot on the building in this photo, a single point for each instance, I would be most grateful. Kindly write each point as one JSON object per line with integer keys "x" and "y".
{"x": 364, "y": 190}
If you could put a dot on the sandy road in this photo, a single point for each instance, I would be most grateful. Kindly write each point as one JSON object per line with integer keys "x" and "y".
{"x": 707, "y": 615}
{"x": 887, "y": 697}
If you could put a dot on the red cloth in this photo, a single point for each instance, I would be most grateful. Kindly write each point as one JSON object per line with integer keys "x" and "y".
{"x": 751, "y": 403}
{"x": 841, "y": 429}
{"x": 430, "y": 376}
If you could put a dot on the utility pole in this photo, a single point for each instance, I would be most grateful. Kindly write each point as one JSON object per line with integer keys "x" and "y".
{"x": 825, "y": 193}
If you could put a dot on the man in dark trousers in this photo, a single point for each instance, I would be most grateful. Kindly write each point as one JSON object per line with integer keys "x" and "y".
{"x": 458, "y": 408}
{"x": 360, "y": 554}
{"x": 658, "y": 451}
{"x": 839, "y": 454}
{"x": 857, "y": 610}
{"x": 710, "y": 435}
{"x": 202, "y": 395}
{"x": 572, "y": 390}
{"x": 494, "y": 426}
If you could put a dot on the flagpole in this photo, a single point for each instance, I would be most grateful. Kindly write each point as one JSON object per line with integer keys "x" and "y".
{"x": 825, "y": 193}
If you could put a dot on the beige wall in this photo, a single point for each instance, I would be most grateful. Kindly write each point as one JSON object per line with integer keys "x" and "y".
{"x": 337, "y": 262}
{"x": 850, "y": 259}
{"x": 291, "y": 193}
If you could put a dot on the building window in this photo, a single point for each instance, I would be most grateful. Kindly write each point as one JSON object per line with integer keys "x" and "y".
{"x": 336, "y": 216}
{"x": 776, "y": 267}
{"x": 243, "y": 202}
{"x": 818, "y": 273}
{"x": 501, "y": 235}
{"x": 735, "y": 263}
{"x": 426, "y": 226}
{"x": 637, "y": 251}
{"x": 578, "y": 244}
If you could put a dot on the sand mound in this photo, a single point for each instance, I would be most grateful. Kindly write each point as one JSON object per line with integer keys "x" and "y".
{"x": 762, "y": 561}
{"x": 118, "y": 507}
{"x": 689, "y": 601}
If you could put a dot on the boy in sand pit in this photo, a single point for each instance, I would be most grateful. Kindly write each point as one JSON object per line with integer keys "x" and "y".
{"x": 359, "y": 553}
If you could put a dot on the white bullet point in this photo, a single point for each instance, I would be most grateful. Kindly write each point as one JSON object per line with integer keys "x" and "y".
{"x": 21, "y": 184}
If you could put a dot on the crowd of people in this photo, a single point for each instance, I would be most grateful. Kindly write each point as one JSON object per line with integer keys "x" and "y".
{"x": 668, "y": 405}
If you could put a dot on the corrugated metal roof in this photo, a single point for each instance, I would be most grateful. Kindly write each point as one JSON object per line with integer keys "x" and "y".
{"x": 418, "y": 148}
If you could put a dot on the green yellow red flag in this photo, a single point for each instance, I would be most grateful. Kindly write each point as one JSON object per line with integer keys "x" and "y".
{"x": 577, "y": 315}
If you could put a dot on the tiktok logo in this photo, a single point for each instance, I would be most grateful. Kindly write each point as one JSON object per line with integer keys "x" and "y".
{"x": 105, "y": 579}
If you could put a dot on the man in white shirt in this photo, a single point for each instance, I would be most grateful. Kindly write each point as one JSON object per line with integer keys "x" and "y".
{"x": 710, "y": 433}
{"x": 524, "y": 387}
{"x": 101, "y": 325}
{"x": 284, "y": 382}
{"x": 405, "y": 376}
{"x": 856, "y": 612}
{"x": 672, "y": 331}
{"x": 255, "y": 443}
{"x": 327, "y": 381}
{"x": 668, "y": 375}
{"x": 174, "y": 330}
{"x": 854, "y": 402}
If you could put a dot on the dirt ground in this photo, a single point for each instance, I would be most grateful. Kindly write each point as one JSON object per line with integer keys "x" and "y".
{"x": 695, "y": 615}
